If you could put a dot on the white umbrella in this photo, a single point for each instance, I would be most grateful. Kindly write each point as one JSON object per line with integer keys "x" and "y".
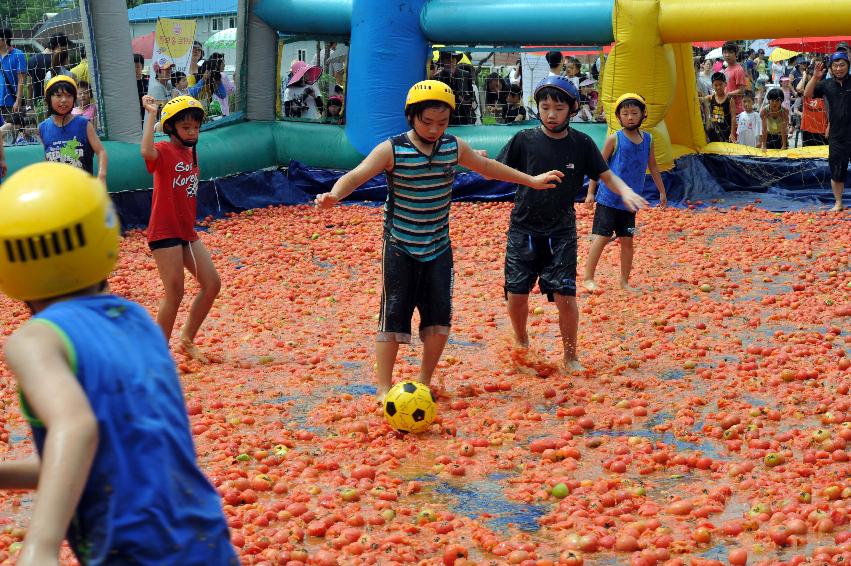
{"x": 225, "y": 39}
{"x": 714, "y": 54}
{"x": 758, "y": 44}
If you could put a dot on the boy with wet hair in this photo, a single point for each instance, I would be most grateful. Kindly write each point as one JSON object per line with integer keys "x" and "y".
{"x": 541, "y": 245}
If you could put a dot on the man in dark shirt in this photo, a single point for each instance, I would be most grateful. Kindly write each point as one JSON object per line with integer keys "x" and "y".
{"x": 837, "y": 91}
{"x": 38, "y": 64}
{"x": 542, "y": 232}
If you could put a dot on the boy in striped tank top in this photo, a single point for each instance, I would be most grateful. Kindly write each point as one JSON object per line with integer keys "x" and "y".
{"x": 416, "y": 252}
{"x": 629, "y": 152}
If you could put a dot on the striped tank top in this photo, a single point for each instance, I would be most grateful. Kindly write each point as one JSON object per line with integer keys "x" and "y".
{"x": 416, "y": 214}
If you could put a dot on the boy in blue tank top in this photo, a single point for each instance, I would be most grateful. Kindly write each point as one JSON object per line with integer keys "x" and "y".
{"x": 629, "y": 152}
{"x": 115, "y": 464}
{"x": 68, "y": 138}
{"x": 416, "y": 253}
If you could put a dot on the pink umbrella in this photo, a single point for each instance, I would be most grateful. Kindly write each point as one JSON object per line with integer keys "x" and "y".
{"x": 144, "y": 44}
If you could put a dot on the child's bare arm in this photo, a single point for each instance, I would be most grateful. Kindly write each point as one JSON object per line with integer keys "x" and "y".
{"x": 657, "y": 177}
{"x": 380, "y": 159}
{"x": 38, "y": 358}
{"x": 608, "y": 150}
{"x": 632, "y": 200}
{"x": 149, "y": 152}
{"x": 492, "y": 169}
{"x": 100, "y": 151}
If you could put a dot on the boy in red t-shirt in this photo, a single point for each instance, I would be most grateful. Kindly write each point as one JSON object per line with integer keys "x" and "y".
{"x": 171, "y": 230}
{"x": 737, "y": 82}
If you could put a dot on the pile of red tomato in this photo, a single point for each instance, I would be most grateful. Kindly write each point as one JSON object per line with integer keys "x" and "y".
{"x": 712, "y": 424}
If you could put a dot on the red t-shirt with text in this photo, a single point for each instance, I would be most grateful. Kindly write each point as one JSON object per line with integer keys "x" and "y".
{"x": 175, "y": 189}
{"x": 736, "y": 81}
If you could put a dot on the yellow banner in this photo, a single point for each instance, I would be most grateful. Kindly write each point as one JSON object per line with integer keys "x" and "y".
{"x": 173, "y": 42}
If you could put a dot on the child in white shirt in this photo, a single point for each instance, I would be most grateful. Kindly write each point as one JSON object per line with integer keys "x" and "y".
{"x": 748, "y": 123}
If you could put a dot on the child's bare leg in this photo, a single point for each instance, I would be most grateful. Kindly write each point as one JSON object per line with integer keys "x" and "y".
{"x": 198, "y": 262}
{"x": 627, "y": 252}
{"x": 518, "y": 312}
{"x": 838, "y": 187}
{"x": 170, "y": 267}
{"x": 568, "y": 323}
{"x": 433, "y": 345}
{"x": 598, "y": 244}
{"x": 385, "y": 359}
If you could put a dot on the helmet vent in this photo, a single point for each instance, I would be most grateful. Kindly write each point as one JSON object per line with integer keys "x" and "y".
{"x": 39, "y": 247}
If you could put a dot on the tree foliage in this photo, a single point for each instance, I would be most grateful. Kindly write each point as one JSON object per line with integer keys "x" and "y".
{"x": 26, "y": 14}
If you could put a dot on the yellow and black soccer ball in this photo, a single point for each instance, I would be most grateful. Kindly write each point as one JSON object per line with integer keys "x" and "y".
{"x": 409, "y": 407}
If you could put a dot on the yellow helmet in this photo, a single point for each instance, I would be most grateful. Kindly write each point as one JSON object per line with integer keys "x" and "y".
{"x": 58, "y": 232}
{"x": 176, "y": 105}
{"x": 630, "y": 96}
{"x": 430, "y": 90}
{"x": 60, "y": 79}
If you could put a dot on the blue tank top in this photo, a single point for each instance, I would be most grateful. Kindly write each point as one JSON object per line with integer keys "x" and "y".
{"x": 68, "y": 144}
{"x": 145, "y": 500}
{"x": 629, "y": 162}
{"x": 419, "y": 193}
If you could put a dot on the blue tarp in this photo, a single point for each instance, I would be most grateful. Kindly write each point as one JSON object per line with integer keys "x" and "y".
{"x": 780, "y": 184}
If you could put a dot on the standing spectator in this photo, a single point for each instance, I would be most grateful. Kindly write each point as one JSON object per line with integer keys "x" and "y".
{"x": 761, "y": 66}
{"x": 573, "y": 71}
{"x": 737, "y": 81}
{"x": 81, "y": 70}
{"x": 837, "y": 92}
{"x": 813, "y": 115}
{"x": 554, "y": 60}
{"x": 217, "y": 63}
{"x": 750, "y": 65}
{"x": 704, "y": 78}
{"x": 141, "y": 81}
{"x": 748, "y": 123}
{"x": 720, "y": 112}
{"x": 299, "y": 99}
{"x": 778, "y": 71}
{"x": 195, "y": 64}
{"x": 775, "y": 120}
{"x": 516, "y": 74}
{"x": 800, "y": 68}
{"x": 496, "y": 94}
{"x": 13, "y": 67}
{"x": 180, "y": 83}
{"x": 86, "y": 107}
{"x": 334, "y": 114}
{"x": 788, "y": 95}
{"x": 38, "y": 64}
{"x": 58, "y": 65}
{"x": 718, "y": 65}
{"x": 461, "y": 83}
{"x": 160, "y": 88}
{"x": 514, "y": 111}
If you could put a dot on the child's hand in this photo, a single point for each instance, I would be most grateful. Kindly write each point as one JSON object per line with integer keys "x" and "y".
{"x": 326, "y": 200}
{"x": 589, "y": 200}
{"x": 663, "y": 200}
{"x": 546, "y": 180}
{"x": 150, "y": 105}
{"x": 633, "y": 201}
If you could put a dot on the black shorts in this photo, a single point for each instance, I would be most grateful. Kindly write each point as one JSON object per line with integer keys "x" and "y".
{"x": 773, "y": 141}
{"x": 167, "y": 243}
{"x": 609, "y": 220}
{"x": 409, "y": 284}
{"x": 549, "y": 260}
{"x": 811, "y": 138}
{"x": 838, "y": 158}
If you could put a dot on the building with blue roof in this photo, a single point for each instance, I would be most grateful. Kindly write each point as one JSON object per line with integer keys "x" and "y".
{"x": 211, "y": 16}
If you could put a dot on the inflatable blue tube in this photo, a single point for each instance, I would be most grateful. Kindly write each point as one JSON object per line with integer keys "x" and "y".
{"x": 388, "y": 54}
{"x": 322, "y": 17}
{"x": 518, "y": 21}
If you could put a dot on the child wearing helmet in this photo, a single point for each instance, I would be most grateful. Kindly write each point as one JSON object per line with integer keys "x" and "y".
{"x": 541, "y": 242}
{"x": 115, "y": 466}
{"x": 837, "y": 93}
{"x": 69, "y": 138}
{"x": 172, "y": 238}
{"x": 416, "y": 252}
{"x": 629, "y": 152}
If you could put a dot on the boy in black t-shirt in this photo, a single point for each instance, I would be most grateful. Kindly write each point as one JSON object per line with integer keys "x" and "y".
{"x": 513, "y": 111}
{"x": 542, "y": 234}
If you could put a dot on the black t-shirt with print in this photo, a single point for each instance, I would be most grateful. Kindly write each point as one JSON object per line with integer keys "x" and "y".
{"x": 550, "y": 212}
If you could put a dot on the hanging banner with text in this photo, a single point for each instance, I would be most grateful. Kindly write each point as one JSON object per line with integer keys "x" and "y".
{"x": 173, "y": 42}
